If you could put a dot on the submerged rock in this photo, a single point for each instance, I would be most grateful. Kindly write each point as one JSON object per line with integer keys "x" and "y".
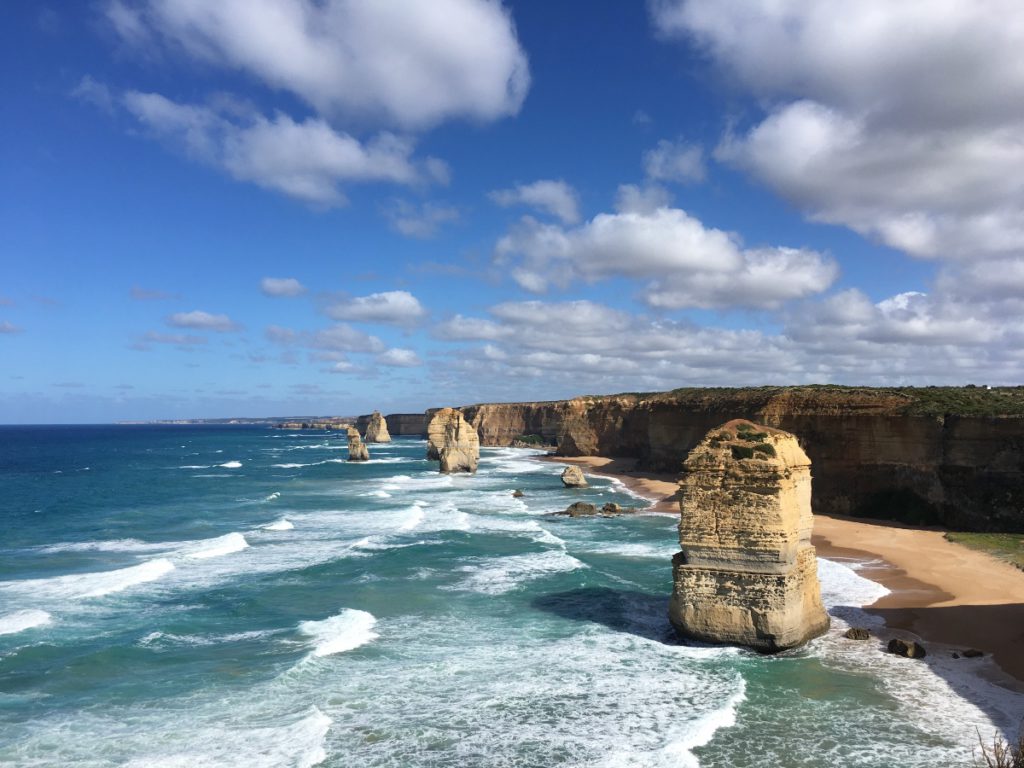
{"x": 572, "y": 477}
{"x": 517, "y": 494}
{"x": 972, "y": 653}
{"x": 747, "y": 573}
{"x": 357, "y": 450}
{"x": 579, "y": 509}
{"x": 453, "y": 441}
{"x": 857, "y": 633}
{"x": 377, "y": 429}
{"x": 907, "y": 648}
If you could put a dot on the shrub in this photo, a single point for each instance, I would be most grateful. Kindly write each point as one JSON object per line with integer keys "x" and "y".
{"x": 742, "y": 452}
{"x": 1002, "y": 753}
{"x": 767, "y": 450}
{"x": 531, "y": 440}
{"x": 744, "y": 427}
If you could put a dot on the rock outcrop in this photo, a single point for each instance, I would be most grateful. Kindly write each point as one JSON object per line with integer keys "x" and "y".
{"x": 377, "y": 429}
{"x": 586, "y": 509}
{"x": 947, "y": 455}
{"x": 572, "y": 477}
{"x": 453, "y": 441}
{"x": 747, "y": 573}
{"x": 907, "y": 648}
{"x": 356, "y": 447}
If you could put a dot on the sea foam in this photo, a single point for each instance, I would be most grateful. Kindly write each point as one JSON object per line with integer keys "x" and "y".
{"x": 231, "y": 465}
{"x": 283, "y": 524}
{"x": 348, "y": 630}
{"x": 19, "y": 621}
{"x": 222, "y": 545}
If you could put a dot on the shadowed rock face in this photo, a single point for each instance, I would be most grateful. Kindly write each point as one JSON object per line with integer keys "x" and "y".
{"x": 453, "y": 441}
{"x": 356, "y": 448}
{"x": 875, "y": 453}
{"x": 747, "y": 573}
{"x": 377, "y": 429}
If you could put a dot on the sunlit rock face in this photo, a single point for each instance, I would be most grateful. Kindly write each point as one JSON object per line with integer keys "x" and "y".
{"x": 453, "y": 441}
{"x": 747, "y": 573}
{"x": 356, "y": 447}
{"x": 377, "y": 429}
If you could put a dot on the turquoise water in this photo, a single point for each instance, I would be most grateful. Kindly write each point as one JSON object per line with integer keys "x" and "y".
{"x": 210, "y": 596}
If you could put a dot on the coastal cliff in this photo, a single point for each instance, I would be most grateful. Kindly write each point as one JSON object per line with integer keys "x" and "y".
{"x": 399, "y": 424}
{"x": 747, "y": 572}
{"x": 928, "y": 455}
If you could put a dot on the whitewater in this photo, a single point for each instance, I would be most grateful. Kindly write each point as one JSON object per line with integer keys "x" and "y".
{"x": 173, "y": 608}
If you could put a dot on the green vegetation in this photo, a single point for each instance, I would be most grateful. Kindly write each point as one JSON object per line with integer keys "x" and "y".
{"x": 1005, "y": 546}
{"x": 742, "y": 452}
{"x": 744, "y": 427}
{"x": 765, "y": 449}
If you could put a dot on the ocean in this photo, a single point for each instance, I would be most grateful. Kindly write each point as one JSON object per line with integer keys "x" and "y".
{"x": 241, "y": 596}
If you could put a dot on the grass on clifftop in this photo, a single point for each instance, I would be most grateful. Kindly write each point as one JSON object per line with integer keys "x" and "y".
{"x": 1005, "y": 546}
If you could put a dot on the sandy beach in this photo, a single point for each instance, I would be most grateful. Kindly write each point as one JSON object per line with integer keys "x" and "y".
{"x": 942, "y": 592}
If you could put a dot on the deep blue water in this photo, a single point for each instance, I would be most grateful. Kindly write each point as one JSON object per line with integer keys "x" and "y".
{"x": 238, "y": 596}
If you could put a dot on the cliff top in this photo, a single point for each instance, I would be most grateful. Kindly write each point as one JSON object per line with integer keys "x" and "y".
{"x": 969, "y": 400}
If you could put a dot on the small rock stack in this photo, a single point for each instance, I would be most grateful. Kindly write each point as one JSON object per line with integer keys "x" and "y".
{"x": 356, "y": 448}
{"x": 747, "y": 573}
{"x": 377, "y": 429}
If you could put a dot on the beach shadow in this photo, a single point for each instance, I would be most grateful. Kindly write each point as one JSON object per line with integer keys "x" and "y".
{"x": 637, "y": 613}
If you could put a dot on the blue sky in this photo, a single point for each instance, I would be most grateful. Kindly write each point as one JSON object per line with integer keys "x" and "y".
{"x": 299, "y": 207}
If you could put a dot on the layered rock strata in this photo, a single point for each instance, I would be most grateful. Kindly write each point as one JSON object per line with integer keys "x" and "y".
{"x": 747, "y": 573}
{"x": 377, "y": 429}
{"x": 953, "y": 456}
{"x": 453, "y": 441}
{"x": 357, "y": 450}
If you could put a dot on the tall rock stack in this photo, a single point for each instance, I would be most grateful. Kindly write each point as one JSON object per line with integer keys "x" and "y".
{"x": 377, "y": 429}
{"x": 453, "y": 441}
{"x": 356, "y": 448}
{"x": 747, "y": 573}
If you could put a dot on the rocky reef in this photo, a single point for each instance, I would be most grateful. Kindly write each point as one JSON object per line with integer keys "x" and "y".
{"x": 377, "y": 429}
{"x": 946, "y": 455}
{"x": 357, "y": 450}
{"x": 453, "y": 441}
{"x": 747, "y": 573}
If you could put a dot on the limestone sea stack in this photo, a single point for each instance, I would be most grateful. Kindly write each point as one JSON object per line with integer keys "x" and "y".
{"x": 573, "y": 477}
{"x": 356, "y": 448}
{"x": 453, "y": 441}
{"x": 747, "y": 573}
{"x": 377, "y": 429}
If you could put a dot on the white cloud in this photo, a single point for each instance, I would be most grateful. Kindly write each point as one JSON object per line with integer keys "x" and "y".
{"x": 675, "y": 161}
{"x": 176, "y": 339}
{"x": 281, "y": 286}
{"x": 308, "y": 160}
{"x": 399, "y": 358}
{"x": 687, "y": 264}
{"x": 421, "y": 221}
{"x": 330, "y": 343}
{"x": 392, "y": 307}
{"x": 554, "y": 197}
{"x": 202, "y": 320}
{"x": 406, "y": 62}
{"x": 900, "y": 120}
{"x": 91, "y": 91}
{"x": 8, "y": 327}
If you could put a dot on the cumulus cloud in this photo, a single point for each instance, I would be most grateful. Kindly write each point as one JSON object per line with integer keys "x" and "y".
{"x": 281, "y": 286}
{"x": 406, "y": 62}
{"x": 420, "y": 221}
{"x": 554, "y": 197}
{"x": 899, "y": 120}
{"x": 399, "y": 358}
{"x": 391, "y": 307}
{"x": 307, "y": 159}
{"x": 686, "y": 263}
{"x": 677, "y": 161}
{"x": 202, "y": 320}
{"x": 338, "y": 338}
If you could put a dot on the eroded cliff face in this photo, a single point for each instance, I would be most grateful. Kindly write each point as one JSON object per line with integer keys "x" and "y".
{"x": 746, "y": 572}
{"x": 872, "y": 456}
{"x": 357, "y": 450}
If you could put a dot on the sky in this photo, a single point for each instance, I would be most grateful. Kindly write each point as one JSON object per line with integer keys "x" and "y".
{"x": 315, "y": 207}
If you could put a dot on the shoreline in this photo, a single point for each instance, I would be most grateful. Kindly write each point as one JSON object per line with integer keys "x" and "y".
{"x": 951, "y": 597}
